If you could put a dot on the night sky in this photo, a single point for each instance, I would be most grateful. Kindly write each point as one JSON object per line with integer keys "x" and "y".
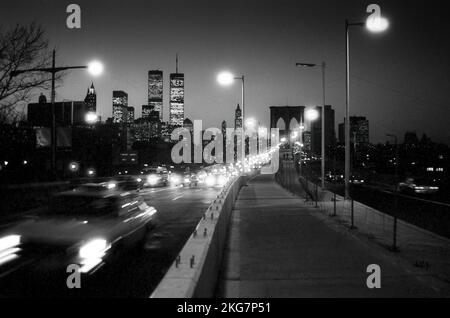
{"x": 400, "y": 79}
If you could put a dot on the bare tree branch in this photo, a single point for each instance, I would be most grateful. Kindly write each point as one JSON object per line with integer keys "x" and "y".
{"x": 22, "y": 47}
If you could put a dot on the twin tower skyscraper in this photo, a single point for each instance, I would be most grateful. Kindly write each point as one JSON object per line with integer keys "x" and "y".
{"x": 156, "y": 96}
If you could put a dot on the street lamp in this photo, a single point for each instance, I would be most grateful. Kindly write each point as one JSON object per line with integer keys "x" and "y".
{"x": 250, "y": 123}
{"x": 311, "y": 114}
{"x": 225, "y": 79}
{"x": 95, "y": 68}
{"x": 91, "y": 118}
{"x": 375, "y": 24}
{"x": 323, "y": 66}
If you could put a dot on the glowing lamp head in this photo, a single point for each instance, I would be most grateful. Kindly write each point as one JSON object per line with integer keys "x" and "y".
{"x": 95, "y": 68}
{"x": 225, "y": 78}
{"x": 74, "y": 166}
{"x": 91, "y": 118}
{"x": 250, "y": 123}
{"x": 311, "y": 114}
{"x": 377, "y": 24}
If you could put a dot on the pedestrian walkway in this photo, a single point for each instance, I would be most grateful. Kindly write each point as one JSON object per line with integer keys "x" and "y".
{"x": 279, "y": 246}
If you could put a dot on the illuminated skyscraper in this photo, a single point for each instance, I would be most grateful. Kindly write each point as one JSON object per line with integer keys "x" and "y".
{"x": 155, "y": 91}
{"x": 147, "y": 110}
{"x": 120, "y": 104}
{"x": 176, "y": 116}
{"x": 91, "y": 99}
{"x": 130, "y": 114}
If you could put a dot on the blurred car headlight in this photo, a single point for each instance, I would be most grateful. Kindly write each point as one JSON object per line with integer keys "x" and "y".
{"x": 139, "y": 179}
{"x": 94, "y": 249}
{"x": 175, "y": 179}
{"x": 221, "y": 180}
{"x": 210, "y": 180}
{"x": 187, "y": 180}
{"x": 91, "y": 254}
{"x": 152, "y": 179}
{"x": 9, "y": 248}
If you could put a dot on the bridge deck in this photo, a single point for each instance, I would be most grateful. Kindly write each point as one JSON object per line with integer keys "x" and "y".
{"x": 279, "y": 246}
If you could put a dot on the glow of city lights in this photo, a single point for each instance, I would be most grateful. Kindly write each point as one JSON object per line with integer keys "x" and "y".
{"x": 225, "y": 78}
{"x": 311, "y": 114}
{"x": 91, "y": 118}
{"x": 95, "y": 68}
{"x": 250, "y": 123}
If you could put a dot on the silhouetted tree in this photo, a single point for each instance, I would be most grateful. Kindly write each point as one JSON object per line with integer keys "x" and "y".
{"x": 21, "y": 47}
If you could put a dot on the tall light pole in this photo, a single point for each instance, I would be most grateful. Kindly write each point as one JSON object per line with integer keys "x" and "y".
{"x": 226, "y": 78}
{"x": 95, "y": 68}
{"x": 375, "y": 25}
{"x": 323, "y": 66}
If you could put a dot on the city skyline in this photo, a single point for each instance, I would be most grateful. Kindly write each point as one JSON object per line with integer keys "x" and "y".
{"x": 393, "y": 106}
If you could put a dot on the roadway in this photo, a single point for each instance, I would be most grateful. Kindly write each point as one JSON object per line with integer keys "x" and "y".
{"x": 426, "y": 211}
{"x": 138, "y": 272}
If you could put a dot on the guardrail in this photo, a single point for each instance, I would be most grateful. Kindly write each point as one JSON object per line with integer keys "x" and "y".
{"x": 421, "y": 247}
{"x": 195, "y": 271}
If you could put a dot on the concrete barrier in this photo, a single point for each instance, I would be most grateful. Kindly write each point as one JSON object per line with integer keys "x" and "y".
{"x": 195, "y": 272}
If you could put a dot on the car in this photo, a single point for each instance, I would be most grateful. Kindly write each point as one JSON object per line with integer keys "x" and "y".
{"x": 190, "y": 180}
{"x": 357, "y": 180}
{"x": 215, "y": 179}
{"x": 334, "y": 178}
{"x": 88, "y": 227}
{"x": 155, "y": 176}
{"x": 418, "y": 186}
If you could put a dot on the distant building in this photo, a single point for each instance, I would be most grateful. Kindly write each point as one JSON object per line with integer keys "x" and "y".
{"x": 120, "y": 104}
{"x": 147, "y": 110}
{"x": 176, "y": 112}
{"x": 316, "y": 130}
{"x": 307, "y": 141}
{"x": 67, "y": 113}
{"x": 155, "y": 91}
{"x": 42, "y": 99}
{"x": 147, "y": 129}
{"x": 187, "y": 123}
{"x": 130, "y": 115}
{"x": 238, "y": 117}
{"x": 359, "y": 129}
{"x": 224, "y": 129}
{"x": 165, "y": 131}
{"x": 91, "y": 99}
{"x": 176, "y": 117}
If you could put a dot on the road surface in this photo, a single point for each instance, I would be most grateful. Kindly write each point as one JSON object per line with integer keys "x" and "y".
{"x": 138, "y": 272}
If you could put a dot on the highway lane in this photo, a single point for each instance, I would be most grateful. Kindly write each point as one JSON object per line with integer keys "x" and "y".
{"x": 138, "y": 272}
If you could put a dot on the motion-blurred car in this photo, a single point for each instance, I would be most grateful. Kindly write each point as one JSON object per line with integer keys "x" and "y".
{"x": 357, "y": 180}
{"x": 129, "y": 182}
{"x": 88, "y": 227}
{"x": 155, "y": 176}
{"x": 418, "y": 186}
{"x": 190, "y": 180}
{"x": 335, "y": 178}
{"x": 215, "y": 180}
